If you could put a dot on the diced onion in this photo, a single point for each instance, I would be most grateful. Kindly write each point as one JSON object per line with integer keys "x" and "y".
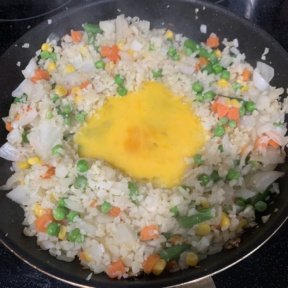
{"x": 9, "y": 152}
{"x": 20, "y": 195}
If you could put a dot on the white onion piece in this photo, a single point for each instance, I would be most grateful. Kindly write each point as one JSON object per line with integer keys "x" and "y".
{"x": 26, "y": 118}
{"x": 266, "y": 71}
{"x": 9, "y": 152}
{"x": 260, "y": 181}
{"x": 186, "y": 69}
{"x": 125, "y": 234}
{"x": 245, "y": 193}
{"x": 29, "y": 71}
{"x": 122, "y": 28}
{"x": 136, "y": 45}
{"x": 20, "y": 195}
{"x": 74, "y": 205}
{"x": 108, "y": 27}
{"x": 14, "y": 137}
{"x": 259, "y": 82}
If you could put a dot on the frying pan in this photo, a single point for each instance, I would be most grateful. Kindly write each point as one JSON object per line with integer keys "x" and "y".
{"x": 180, "y": 17}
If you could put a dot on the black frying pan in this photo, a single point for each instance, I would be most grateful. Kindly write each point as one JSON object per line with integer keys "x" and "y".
{"x": 180, "y": 17}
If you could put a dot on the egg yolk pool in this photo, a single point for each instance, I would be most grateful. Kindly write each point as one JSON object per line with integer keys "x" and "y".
{"x": 147, "y": 134}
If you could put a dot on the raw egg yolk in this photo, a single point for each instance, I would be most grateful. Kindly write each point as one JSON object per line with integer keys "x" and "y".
{"x": 147, "y": 134}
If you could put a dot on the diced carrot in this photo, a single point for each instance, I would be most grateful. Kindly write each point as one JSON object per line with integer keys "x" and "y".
{"x": 76, "y": 36}
{"x": 115, "y": 211}
{"x": 42, "y": 221}
{"x": 110, "y": 52}
{"x": 246, "y": 74}
{"x": 212, "y": 41}
{"x": 17, "y": 117}
{"x": 149, "y": 232}
{"x": 261, "y": 142}
{"x": 273, "y": 144}
{"x": 233, "y": 114}
{"x": 150, "y": 262}
{"x": 202, "y": 61}
{"x": 116, "y": 269}
{"x": 8, "y": 126}
{"x": 49, "y": 172}
{"x": 84, "y": 84}
{"x": 222, "y": 110}
{"x": 176, "y": 239}
{"x": 40, "y": 75}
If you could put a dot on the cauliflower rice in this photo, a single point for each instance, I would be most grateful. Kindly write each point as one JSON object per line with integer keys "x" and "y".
{"x": 225, "y": 185}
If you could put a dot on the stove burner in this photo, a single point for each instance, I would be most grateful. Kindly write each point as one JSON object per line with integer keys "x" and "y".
{"x": 18, "y": 10}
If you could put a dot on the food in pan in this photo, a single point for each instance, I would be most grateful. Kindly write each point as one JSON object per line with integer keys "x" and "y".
{"x": 138, "y": 149}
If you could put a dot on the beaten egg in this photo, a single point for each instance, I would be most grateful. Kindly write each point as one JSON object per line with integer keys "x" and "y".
{"x": 147, "y": 134}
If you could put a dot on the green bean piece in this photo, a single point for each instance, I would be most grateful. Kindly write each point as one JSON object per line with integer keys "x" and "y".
{"x": 174, "y": 210}
{"x": 173, "y": 252}
{"x": 91, "y": 28}
{"x": 133, "y": 192}
{"x": 191, "y": 45}
{"x": 190, "y": 221}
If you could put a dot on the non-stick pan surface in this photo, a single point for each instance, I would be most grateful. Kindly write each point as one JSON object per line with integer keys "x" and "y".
{"x": 180, "y": 16}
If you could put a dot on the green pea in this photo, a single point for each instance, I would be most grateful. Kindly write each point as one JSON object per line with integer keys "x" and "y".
{"x": 151, "y": 47}
{"x": 171, "y": 52}
{"x": 80, "y": 182}
{"x": 191, "y": 45}
{"x": 204, "y": 53}
{"x": 225, "y": 75}
{"x": 105, "y": 207}
{"x": 188, "y": 51}
{"x": 219, "y": 131}
{"x": 68, "y": 121}
{"x": 67, "y": 109}
{"x": 176, "y": 57}
{"x": 44, "y": 55}
{"x": 209, "y": 95}
{"x": 217, "y": 68}
{"x": 80, "y": 116}
{"x": 236, "y": 86}
{"x": 54, "y": 98}
{"x": 71, "y": 216}
{"x": 53, "y": 229}
{"x": 242, "y": 110}
{"x": 208, "y": 68}
{"x": 232, "y": 174}
{"x": 232, "y": 124}
{"x": 250, "y": 106}
{"x": 198, "y": 159}
{"x": 59, "y": 213}
{"x": 91, "y": 28}
{"x": 157, "y": 73}
{"x": 82, "y": 166}
{"x": 260, "y": 206}
{"x": 49, "y": 115}
{"x": 75, "y": 236}
{"x": 223, "y": 120}
{"x": 57, "y": 150}
{"x": 119, "y": 80}
{"x": 197, "y": 87}
{"x": 122, "y": 91}
{"x": 100, "y": 64}
{"x": 61, "y": 202}
{"x": 200, "y": 98}
{"x": 174, "y": 210}
{"x": 204, "y": 179}
{"x": 215, "y": 176}
{"x": 240, "y": 202}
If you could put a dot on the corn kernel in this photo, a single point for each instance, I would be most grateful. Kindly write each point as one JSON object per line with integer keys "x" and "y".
{"x": 51, "y": 67}
{"x": 169, "y": 35}
{"x": 38, "y": 210}
{"x": 34, "y": 160}
{"x": 70, "y": 68}
{"x": 120, "y": 45}
{"x": 87, "y": 256}
{"x": 130, "y": 52}
{"x": 76, "y": 90}
{"x": 191, "y": 259}
{"x": 245, "y": 88}
{"x": 61, "y": 91}
{"x": 23, "y": 165}
{"x": 83, "y": 50}
{"x": 53, "y": 197}
{"x": 159, "y": 267}
{"x": 205, "y": 204}
{"x": 78, "y": 98}
{"x": 235, "y": 103}
{"x": 242, "y": 224}
{"x": 62, "y": 232}
{"x": 223, "y": 83}
{"x": 225, "y": 222}
{"x": 202, "y": 229}
{"x": 46, "y": 47}
{"x": 218, "y": 53}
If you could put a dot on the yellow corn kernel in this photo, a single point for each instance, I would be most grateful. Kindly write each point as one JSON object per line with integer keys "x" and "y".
{"x": 130, "y": 52}
{"x": 169, "y": 35}
{"x": 60, "y": 90}
{"x": 191, "y": 259}
{"x": 34, "y": 160}
{"x": 223, "y": 83}
{"x": 202, "y": 229}
{"x": 69, "y": 68}
{"x": 78, "y": 98}
{"x": 51, "y": 67}
{"x": 205, "y": 204}
{"x": 218, "y": 53}
{"x": 242, "y": 224}
{"x": 83, "y": 50}
{"x": 159, "y": 267}
{"x": 120, "y": 45}
{"x": 23, "y": 165}
{"x": 76, "y": 90}
{"x": 87, "y": 256}
{"x": 53, "y": 197}
{"x": 38, "y": 210}
{"x": 245, "y": 88}
{"x": 225, "y": 222}
{"x": 235, "y": 103}
{"x": 62, "y": 232}
{"x": 46, "y": 47}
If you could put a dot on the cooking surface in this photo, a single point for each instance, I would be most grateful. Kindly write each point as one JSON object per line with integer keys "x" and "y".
{"x": 267, "y": 267}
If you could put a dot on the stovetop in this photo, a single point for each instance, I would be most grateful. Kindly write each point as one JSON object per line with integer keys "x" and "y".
{"x": 268, "y": 266}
